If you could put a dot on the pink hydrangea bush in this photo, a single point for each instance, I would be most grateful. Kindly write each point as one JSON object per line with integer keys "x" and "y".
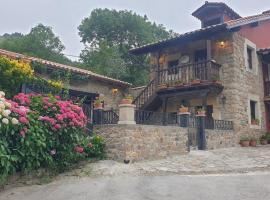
{"x": 49, "y": 132}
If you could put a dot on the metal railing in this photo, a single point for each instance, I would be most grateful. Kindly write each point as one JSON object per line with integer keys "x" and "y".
{"x": 155, "y": 118}
{"x": 105, "y": 117}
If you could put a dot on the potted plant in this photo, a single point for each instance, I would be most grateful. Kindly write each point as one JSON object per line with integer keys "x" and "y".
{"x": 267, "y": 135}
{"x": 183, "y": 109}
{"x": 216, "y": 79}
{"x": 98, "y": 104}
{"x": 263, "y": 140}
{"x": 201, "y": 111}
{"x": 253, "y": 142}
{"x": 244, "y": 141}
{"x": 178, "y": 83}
{"x": 255, "y": 121}
{"x": 195, "y": 81}
{"x": 128, "y": 99}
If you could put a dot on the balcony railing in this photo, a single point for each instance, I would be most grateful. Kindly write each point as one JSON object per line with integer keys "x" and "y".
{"x": 185, "y": 74}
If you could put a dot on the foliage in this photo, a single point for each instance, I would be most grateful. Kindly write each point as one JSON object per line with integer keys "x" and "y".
{"x": 13, "y": 73}
{"x": 43, "y": 131}
{"x": 108, "y": 36}
{"x": 40, "y": 42}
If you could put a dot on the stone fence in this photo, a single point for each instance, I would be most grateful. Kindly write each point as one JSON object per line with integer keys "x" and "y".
{"x": 140, "y": 142}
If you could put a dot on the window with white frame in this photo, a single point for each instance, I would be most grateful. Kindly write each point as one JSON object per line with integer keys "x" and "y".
{"x": 251, "y": 60}
{"x": 254, "y": 112}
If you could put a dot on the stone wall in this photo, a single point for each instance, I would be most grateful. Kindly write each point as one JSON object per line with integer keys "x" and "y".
{"x": 140, "y": 142}
{"x": 240, "y": 86}
{"x": 216, "y": 139}
{"x": 99, "y": 87}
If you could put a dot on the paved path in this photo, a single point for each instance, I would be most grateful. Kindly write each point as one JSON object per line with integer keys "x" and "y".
{"x": 174, "y": 187}
{"x": 230, "y": 160}
{"x": 233, "y": 173}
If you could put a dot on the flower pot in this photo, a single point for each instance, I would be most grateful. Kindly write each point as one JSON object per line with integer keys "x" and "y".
{"x": 196, "y": 81}
{"x": 183, "y": 109}
{"x": 253, "y": 143}
{"x": 244, "y": 143}
{"x": 126, "y": 101}
{"x": 264, "y": 142}
{"x": 98, "y": 106}
{"x": 162, "y": 86}
{"x": 217, "y": 81}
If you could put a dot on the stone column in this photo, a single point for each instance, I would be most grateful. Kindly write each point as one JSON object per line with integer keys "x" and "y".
{"x": 183, "y": 119}
{"x": 126, "y": 114}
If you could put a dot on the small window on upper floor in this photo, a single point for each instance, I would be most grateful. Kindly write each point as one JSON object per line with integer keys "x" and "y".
{"x": 212, "y": 22}
{"x": 249, "y": 57}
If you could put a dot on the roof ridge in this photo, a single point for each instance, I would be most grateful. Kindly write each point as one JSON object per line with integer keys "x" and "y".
{"x": 64, "y": 66}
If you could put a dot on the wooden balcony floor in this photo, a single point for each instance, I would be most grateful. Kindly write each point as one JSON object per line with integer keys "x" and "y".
{"x": 211, "y": 87}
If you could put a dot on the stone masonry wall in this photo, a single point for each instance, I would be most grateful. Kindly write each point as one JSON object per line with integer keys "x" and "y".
{"x": 94, "y": 86}
{"x": 140, "y": 142}
{"x": 216, "y": 139}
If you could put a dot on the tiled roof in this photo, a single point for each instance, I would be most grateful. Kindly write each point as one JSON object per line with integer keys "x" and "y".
{"x": 248, "y": 20}
{"x": 228, "y": 25}
{"x": 180, "y": 36}
{"x": 64, "y": 67}
{"x": 215, "y": 4}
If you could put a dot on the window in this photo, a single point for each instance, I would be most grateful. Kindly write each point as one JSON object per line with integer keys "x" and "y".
{"x": 172, "y": 67}
{"x": 249, "y": 57}
{"x": 212, "y": 22}
{"x": 253, "y": 107}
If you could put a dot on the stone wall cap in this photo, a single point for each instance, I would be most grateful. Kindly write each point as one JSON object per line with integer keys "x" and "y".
{"x": 184, "y": 113}
{"x": 127, "y": 105}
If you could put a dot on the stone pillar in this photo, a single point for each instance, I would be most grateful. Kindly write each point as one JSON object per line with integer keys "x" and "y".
{"x": 126, "y": 114}
{"x": 183, "y": 119}
{"x": 201, "y": 139}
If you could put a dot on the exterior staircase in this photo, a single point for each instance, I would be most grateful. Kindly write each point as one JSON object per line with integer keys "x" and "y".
{"x": 148, "y": 97}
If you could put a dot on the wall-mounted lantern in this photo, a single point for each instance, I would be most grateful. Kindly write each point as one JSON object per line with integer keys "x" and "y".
{"x": 222, "y": 43}
{"x": 114, "y": 91}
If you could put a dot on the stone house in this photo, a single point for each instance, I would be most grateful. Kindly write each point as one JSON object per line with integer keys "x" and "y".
{"x": 89, "y": 84}
{"x": 221, "y": 67}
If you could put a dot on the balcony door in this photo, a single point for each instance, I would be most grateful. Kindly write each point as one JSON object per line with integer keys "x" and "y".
{"x": 200, "y": 70}
{"x": 200, "y": 55}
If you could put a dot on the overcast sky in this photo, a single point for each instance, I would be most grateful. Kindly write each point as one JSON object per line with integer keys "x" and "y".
{"x": 65, "y": 15}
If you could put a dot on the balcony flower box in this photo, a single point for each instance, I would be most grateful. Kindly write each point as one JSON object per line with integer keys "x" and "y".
{"x": 216, "y": 79}
{"x": 162, "y": 86}
{"x": 195, "y": 81}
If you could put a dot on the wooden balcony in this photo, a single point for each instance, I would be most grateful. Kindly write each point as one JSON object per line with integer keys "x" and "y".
{"x": 206, "y": 72}
{"x": 195, "y": 78}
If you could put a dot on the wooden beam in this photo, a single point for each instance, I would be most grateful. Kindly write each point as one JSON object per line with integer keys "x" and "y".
{"x": 209, "y": 49}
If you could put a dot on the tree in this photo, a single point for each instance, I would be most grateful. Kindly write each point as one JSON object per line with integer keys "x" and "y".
{"x": 40, "y": 42}
{"x": 119, "y": 31}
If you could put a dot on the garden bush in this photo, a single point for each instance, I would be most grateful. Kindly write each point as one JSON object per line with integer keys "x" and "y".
{"x": 43, "y": 131}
